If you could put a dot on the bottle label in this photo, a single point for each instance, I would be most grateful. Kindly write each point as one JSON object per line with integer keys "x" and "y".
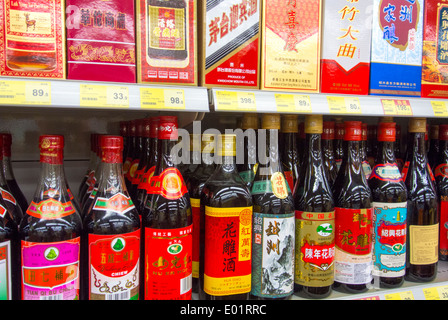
{"x": 118, "y": 203}
{"x": 290, "y": 179}
{"x": 138, "y": 176}
{"x": 169, "y": 184}
{"x": 5, "y": 270}
{"x": 273, "y": 255}
{"x": 404, "y": 171}
{"x": 114, "y": 266}
{"x": 50, "y": 209}
{"x": 126, "y": 166}
{"x": 228, "y": 250}
{"x": 353, "y": 245}
{"x": 389, "y": 249}
{"x": 277, "y": 183}
{"x": 6, "y": 195}
{"x": 441, "y": 170}
{"x": 386, "y": 172}
{"x": 3, "y": 211}
{"x": 423, "y": 244}
{"x": 315, "y": 248}
{"x": 146, "y": 179}
{"x": 443, "y": 236}
{"x": 132, "y": 170}
{"x": 247, "y": 176}
{"x": 367, "y": 169}
{"x": 50, "y": 271}
{"x": 168, "y": 272}
{"x": 196, "y": 213}
{"x": 166, "y": 28}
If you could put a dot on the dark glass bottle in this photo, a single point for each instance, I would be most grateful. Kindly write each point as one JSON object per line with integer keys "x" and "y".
{"x": 339, "y": 142}
{"x": 248, "y": 147}
{"x": 89, "y": 185}
{"x": 194, "y": 157}
{"x": 441, "y": 175}
{"x": 353, "y": 221}
{"x": 50, "y": 232}
{"x": 137, "y": 155}
{"x": 434, "y": 148}
{"x": 90, "y": 168}
{"x": 399, "y": 149}
{"x": 112, "y": 230}
{"x": 314, "y": 210}
{"x": 327, "y": 138}
{"x": 423, "y": 216}
{"x": 167, "y": 225}
{"x": 226, "y": 203}
{"x": 9, "y": 174}
{"x": 132, "y": 153}
{"x": 365, "y": 161}
{"x": 372, "y": 146}
{"x": 289, "y": 151}
{"x": 389, "y": 196}
{"x": 124, "y": 127}
{"x": 273, "y": 221}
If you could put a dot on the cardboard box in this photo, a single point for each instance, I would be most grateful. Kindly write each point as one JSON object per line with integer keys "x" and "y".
{"x": 166, "y": 42}
{"x": 290, "y": 54}
{"x": 397, "y": 41}
{"x": 435, "y": 50}
{"x": 101, "y": 40}
{"x": 32, "y": 40}
{"x": 346, "y": 39}
{"x": 230, "y": 46}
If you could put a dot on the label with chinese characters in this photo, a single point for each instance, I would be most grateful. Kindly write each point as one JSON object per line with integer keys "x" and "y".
{"x": 277, "y": 185}
{"x": 168, "y": 272}
{"x": 50, "y": 271}
{"x": 353, "y": 244}
{"x": 273, "y": 255}
{"x": 196, "y": 213}
{"x": 443, "y": 236}
{"x": 50, "y": 209}
{"x": 5, "y": 271}
{"x": 228, "y": 250}
{"x": 169, "y": 184}
{"x": 389, "y": 249}
{"x": 114, "y": 266}
{"x": 119, "y": 203}
{"x": 315, "y": 251}
{"x": 386, "y": 172}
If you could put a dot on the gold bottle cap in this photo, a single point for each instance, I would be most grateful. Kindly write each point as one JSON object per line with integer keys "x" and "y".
{"x": 290, "y": 123}
{"x": 227, "y": 145}
{"x": 314, "y": 123}
{"x": 208, "y": 143}
{"x": 417, "y": 125}
{"x": 195, "y": 142}
{"x": 434, "y": 132}
{"x": 270, "y": 121}
{"x": 387, "y": 119}
{"x": 249, "y": 121}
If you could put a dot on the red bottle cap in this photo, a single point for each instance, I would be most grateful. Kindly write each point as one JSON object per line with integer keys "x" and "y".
{"x": 139, "y": 127}
{"x": 168, "y": 128}
{"x": 353, "y": 131}
{"x": 339, "y": 130}
{"x": 364, "y": 132}
{"x": 146, "y": 127}
{"x": 443, "y": 132}
{"x": 6, "y": 141}
{"x": 124, "y": 128}
{"x": 132, "y": 128}
{"x": 387, "y": 131}
{"x": 154, "y": 127}
{"x": 51, "y": 149}
{"x": 111, "y": 149}
{"x": 328, "y": 130}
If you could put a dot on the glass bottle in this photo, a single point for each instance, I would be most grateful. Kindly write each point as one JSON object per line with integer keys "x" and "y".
{"x": 398, "y": 149}
{"x": 194, "y": 157}
{"x": 248, "y": 168}
{"x": 339, "y": 142}
{"x": 90, "y": 172}
{"x": 423, "y": 216}
{"x": 132, "y": 149}
{"x": 226, "y": 203}
{"x": 365, "y": 161}
{"x": 441, "y": 175}
{"x": 50, "y": 232}
{"x": 124, "y": 127}
{"x": 372, "y": 146}
{"x": 89, "y": 185}
{"x": 111, "y": 229}
{"x": 137, "y": 154}
{"x": 389, "y": 196}
{"x": 434, "y": 148}
{"x": 353, "y": 221}
{"x": 167, "y": 225}
{"x": 273, "y": 221}
{"x": 327, "y": 140}
{"x": 315, "y": 219}
{"x": 289, "y": 148}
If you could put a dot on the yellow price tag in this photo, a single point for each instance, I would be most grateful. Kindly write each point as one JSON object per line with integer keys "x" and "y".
{"x": 118, "y": 96}
{"x": 439, "y": 108}
{"x": 100, "y": 96}
{"x": 155, "y": 98}
{"x": 344, "y": 105}
{"x": 25, "y": 92}
{"x": 293, "y": 103}
{"x": 406, "y": 295}
{"x": 396, "y": 107}
{"x": 436, "y": 293}
{"x": 235, "y": 101}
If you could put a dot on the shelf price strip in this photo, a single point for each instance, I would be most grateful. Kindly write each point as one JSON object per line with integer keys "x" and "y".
{"x": 436, "y": 293}
{"x": 25, "y": 93}
{"x": 293, "y": 103}
{"x": 406, "y": 295}
{"x": 156, "y": 98}
{"x": 394, "y": 107}
{"x": 235, "y": 101}
{"x": 439, "y": 108}
{"x": 104, "y": 96}
{"x": 344, "y": 105}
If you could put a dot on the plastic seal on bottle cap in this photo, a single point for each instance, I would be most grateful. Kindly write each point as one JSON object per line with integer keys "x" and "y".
{"x": 146, "y": 123}
{"x": 51, "y": 149}
{"x": 328, "y": 132}
{"x": 417, "y": 125}
{"x": 168, "y": 128}
{"x": 387, "y": 131}
{"x": 249, "y": 121}
{"x": 154, "y": 127}
{"x": 290, "y": 123}
{"x": 111, "y": 149}
{"x": 364, "y": 132}
{"x": 270, "y": 121}
{"x": 353, "y": 131}
{"x": 339, "y": 130}
{"x": 443, "y": 132}
{"x": 314, "y": 124}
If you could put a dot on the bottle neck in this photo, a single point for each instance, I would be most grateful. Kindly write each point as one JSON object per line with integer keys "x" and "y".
{"x": 7, "y": 168}
{"x": 419, "y": 157}
{"x": 314, "y": 146}
{"x": 165, "y": 157}
{"x": 352, "y": 156}
{"x": 111, "y": 179}
{"x": 386, "y": 152}
{"x": 52, "y": 177}
{"x": 269, "y": 160}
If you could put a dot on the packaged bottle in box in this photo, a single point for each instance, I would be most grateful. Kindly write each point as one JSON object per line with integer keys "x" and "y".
{"x": 229, "y": 40}
{"x": 32, "y": 40}
{"x": 397, "y": 41}
{"x": 290, "y": 53}
{"x": 100, "y": 40}
{"x": 346, "y": 39}
{"x": 166, "y": 42}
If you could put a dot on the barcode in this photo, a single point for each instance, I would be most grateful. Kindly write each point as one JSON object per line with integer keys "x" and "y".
{"x": 126, "y": 295}
{"x": 185, "y": 284}
{"x": 53, "y": 297}
{"x": 6, "y": 97}
{"x": 149, "y": 103}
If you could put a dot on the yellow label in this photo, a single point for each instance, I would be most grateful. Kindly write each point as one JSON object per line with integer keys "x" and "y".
{"x": 278, "y": 183}
{"x": 439, "y": 108}
{"x": 235, "y": 101}
{"x": 293, "y": 103}
{"x": 406, "y": 295}
{"x": 100, "y": 96}
{"x": 215, "y": 286}
{"x": 25, "y": 92}
{"x": 424, "y": 244}
{"x": 155, "y": 98}
{"x": 344, "y": 105}
{"x": 396, "y": 107}
{"x": 436, "y": 293}
{"x": 195, "y": 202}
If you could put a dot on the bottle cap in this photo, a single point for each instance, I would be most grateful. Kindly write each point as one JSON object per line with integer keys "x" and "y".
{"x": 328, "y": 130}
{"x": 434, "y": 132}
{"x": 417, "y": 125}
{"x": 51, "y": 149}
{"x": 302, "y": 134}
{"x": 290, "y": 123}
{"x": 123, "y": 128}
{"x": 314, "y": 124}
{"x": 168, "y": 128}
{"x": 208, "y": 143}
{"x": 132, "y": 128}
{"x": 339, "y": 130}
{"x": 195, "y": 142}
{"x": 443, "y": 132}
{"x": 364, "y": 132}
{"x": 139, "y": 129}
{"x": 387, "y": 119}
{"x": 6, "y": 140}
{"x": 353, "y": 131}
{"x": 249, "y": 121}
{"x": 387, "y": 131}
{"x": 111, "y": 149}
{"x": 154, "y": 127}
{"x": 227, "y": 145}
{"x": 146, "y": 124}
{"x": 270, "y": 121}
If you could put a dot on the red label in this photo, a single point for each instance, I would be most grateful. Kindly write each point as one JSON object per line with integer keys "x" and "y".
{"x": 289, "y": 179}
{"x": 442, "y": 170}
{"x": 138, "y": 176}
{"x": 50, "y": 209}
{"x": 354, "y": 230}
{"x": 168, "y": 267}
{"x": 313, "y": 254}
{"x": 443, "y": 227}
{"x": 392, "y": 234}
{"x": 146, "y": 179}
{"x": 196, "y": 213}
{"x": 404, "y": 171}
{"x": 337, "y": 80}
{"x": 132, "y": 169}
{"x": 119, "y": 203}
{"x": 169, "y": 184}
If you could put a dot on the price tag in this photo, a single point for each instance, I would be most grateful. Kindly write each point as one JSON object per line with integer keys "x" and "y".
{"x": 406, "y": 295}
{"x": 345, "y": 105}
{"x": 396, "y": 107}
{"x": 291, "y": 103}
{"x": 439, "y": 108}
{"x": 25, "y": 92}
{"x": 436, "y": 293}
{"x": 235, "y": 101}
{"x": 100, "y": 96}
{"x": 155, "y": 98}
